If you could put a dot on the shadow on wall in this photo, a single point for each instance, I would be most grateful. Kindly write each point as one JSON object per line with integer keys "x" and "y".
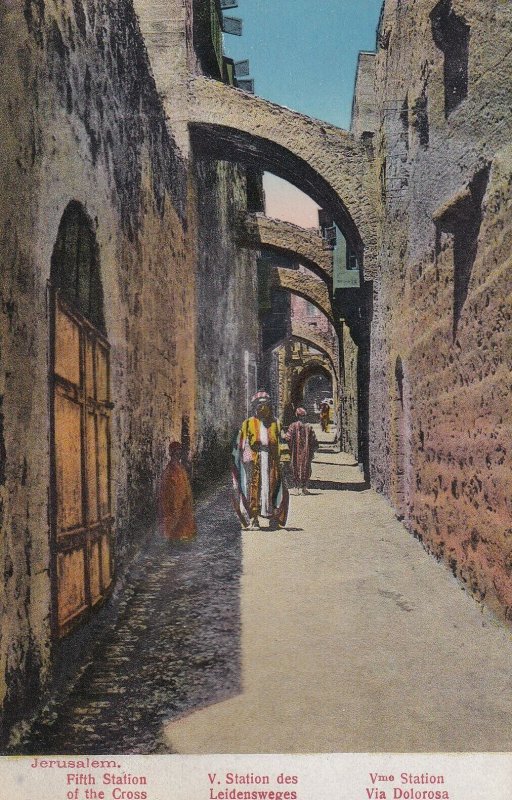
{"x": 212, "y": 462}
{"x": 460, "y": 224}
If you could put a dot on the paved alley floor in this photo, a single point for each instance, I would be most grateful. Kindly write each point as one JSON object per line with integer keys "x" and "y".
{"x": 355, "y": 639}
{"x": 339, "y": 633}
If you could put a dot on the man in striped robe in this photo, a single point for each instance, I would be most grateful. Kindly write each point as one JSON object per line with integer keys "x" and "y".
{"x": 303, "y": 443}
{"x": 257, "y": 476}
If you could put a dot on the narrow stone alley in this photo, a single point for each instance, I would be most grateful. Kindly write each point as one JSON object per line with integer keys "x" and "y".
{"x": 171, "y": 644}
{"x": 339, "y": 633}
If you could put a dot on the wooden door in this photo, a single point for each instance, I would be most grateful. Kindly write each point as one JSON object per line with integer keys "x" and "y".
{"x": 82, "y": 518}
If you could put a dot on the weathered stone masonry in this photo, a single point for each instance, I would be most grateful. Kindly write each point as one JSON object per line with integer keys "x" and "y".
{"x": 441, "y": 340}
{"x": 82, "y": 121}
{"x": 155, "y": 156}
{"x": 304, "y": 245}
{"x": 225, "y": 274}
{"x": 227, "y": 322}
{"x": 329, "y": 164}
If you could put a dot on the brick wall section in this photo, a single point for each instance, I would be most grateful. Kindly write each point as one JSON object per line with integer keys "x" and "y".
{"x": 440, "y": 419}
{"x": 257, "y": 230}
{"x": 326, "y": 162}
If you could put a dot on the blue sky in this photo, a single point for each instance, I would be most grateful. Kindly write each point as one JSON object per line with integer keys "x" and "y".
{"x": 303, "y": 53}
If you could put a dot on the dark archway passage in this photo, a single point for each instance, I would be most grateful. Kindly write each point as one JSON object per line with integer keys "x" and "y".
{"x": 309, "y": 371}
{"x": 316, "y": 387}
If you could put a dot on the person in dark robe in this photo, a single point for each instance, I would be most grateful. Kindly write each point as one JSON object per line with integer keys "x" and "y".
{"x": 302, "y": 440}
{"x": 288, "y": 414}
{"x": 324, "y": 417}
{"x": 175, "y": 501}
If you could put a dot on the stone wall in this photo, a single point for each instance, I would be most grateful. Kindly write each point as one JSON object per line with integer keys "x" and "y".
{"x": 441, "y": 346}
{"x": 364, "y": 107}
{"x": 227, "y": 314}
{"x": 226, "y": 325}
{"x": 166, "y": 27}
{"x": 82, "y": 120}
{"x": 349, "y": 399}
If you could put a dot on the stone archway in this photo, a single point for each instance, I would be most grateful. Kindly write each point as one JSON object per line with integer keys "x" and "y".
{"x": 306, "y": 246}
{"x": 293, "y": 361}
{"x": 307, "y": 286}
{"x": 331, "y": 165}
{"x": 314, "y": 366}
{"x": 317, "y": 342}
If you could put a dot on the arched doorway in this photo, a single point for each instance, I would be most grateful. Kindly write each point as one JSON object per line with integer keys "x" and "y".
{"x": 81, "y": 505}
{"x": 319, "y": 375}
{"x": 316, "y": 388}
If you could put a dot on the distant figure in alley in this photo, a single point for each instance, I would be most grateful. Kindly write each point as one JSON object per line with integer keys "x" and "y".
{"x": 257, "y": 475}
{"x": 175, "y": 501}
{"x": 324, "y": 417}
{"x": 302, "y": 440}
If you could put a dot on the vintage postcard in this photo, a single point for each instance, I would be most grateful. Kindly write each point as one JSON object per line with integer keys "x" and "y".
{"x": 255, "y": 417}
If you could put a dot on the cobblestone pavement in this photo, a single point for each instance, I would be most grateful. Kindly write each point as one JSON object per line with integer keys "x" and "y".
{"x": 339, "y": 633}
{"x": 174, "y": 645}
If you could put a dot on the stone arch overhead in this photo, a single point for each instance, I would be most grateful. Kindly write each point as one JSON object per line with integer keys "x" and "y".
{"x": 307, "y": 246}
{"x": 314, "y": 367}
{"x": 306, "y": 286}
{"x": 312, "y": 339}
{"x": 316, "y": 339}
{"x": 326, "y": 356}
{"x": 331, "y": 165}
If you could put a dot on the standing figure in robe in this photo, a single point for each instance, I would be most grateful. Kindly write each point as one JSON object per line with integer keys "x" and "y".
{"x": 257, "y": 475}
{"x": 175, "y": 501}
{"x": 324, "y": 417}
{"x": 303, "y": 443}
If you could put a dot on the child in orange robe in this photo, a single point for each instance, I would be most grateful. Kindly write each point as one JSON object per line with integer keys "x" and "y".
{"x": 175, "y": 506}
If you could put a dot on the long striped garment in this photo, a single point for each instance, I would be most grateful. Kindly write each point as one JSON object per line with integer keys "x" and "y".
{"x": 302, "y": 446}
{"x": 257, "y": 478}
